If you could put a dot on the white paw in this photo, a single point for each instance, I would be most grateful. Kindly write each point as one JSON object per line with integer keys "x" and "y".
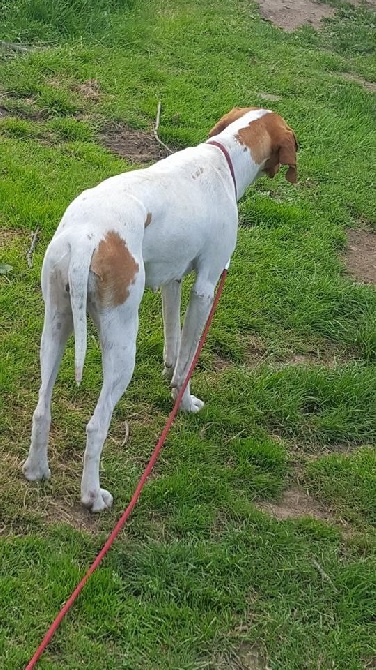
{"x": 189, "y": 402}
{"x": 35, "y": 470}
{"x": 97, "y": 501}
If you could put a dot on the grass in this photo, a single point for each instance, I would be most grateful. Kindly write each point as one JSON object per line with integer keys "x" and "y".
{"x": 200, "y": 578}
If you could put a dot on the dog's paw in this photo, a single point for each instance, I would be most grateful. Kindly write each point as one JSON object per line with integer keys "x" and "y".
{"x": 97, "y": 501}
{"x": 35, "y": 470}
{"x": 189, "y": 402}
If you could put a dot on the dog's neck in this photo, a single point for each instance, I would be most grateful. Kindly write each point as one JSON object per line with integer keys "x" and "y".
{"x": 246, "y": 169}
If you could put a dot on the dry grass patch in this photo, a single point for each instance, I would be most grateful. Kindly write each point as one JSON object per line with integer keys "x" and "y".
{"x": 323, "y": 353}
{"x": 9, "y": 235}
{"x": 360, "y": 258}
{"x": 89, "y": 89}
{"x": 295, "y": 504}
{"x": 269, "y": 96}
{"x": 245, "y": 657}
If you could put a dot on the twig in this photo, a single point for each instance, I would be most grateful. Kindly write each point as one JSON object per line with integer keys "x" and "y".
{"x": 323, "y": 573}
{"x": 155, "y": 129}
{"x": 126, "y": 434}
{"x": 29, "y": 255}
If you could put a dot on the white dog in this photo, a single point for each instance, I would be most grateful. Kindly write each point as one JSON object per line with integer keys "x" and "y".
{"x": 147, "y": 227}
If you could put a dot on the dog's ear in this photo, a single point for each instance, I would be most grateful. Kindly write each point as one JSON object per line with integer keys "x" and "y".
{"x": 287, "y": 155}
{"x": 228, "y": 118}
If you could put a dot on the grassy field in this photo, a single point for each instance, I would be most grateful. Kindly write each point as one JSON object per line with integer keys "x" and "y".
{"x": 217, "y": 569}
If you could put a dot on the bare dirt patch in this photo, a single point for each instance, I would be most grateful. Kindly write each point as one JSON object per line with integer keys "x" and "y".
{"x": 89, "y": 89}
{"x": 323, "y": 353}
{"x": 243, "y": 658}
{"x": 57, "y": 511}
{"x": 136, "y": 146}
{"x": 23, "y": 108}
{"x": 368, "y": 85}
{"x": 360, "y": 258}
{"x": 291, "y": 14}
{"x": 9, "y": 236}
{"x": 294, "y": 504}
{"x": 6, "y": 236}
{"x": 256, "y": 351}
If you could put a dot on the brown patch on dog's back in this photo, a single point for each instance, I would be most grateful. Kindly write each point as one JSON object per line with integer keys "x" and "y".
{"x": 270, "y": 139}
{"x": 115, "y": 268}
{"x": 148, "y": 219}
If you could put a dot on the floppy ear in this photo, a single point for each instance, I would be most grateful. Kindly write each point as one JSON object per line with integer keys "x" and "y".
{"x": 228, "y": 118}
{"x": 287, "y": 155}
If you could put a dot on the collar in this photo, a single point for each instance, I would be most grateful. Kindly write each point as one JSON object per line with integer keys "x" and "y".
{"x": 227, "y": 157}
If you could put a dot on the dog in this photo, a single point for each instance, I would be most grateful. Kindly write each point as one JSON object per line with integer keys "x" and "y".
{"x": 147, "y": 228}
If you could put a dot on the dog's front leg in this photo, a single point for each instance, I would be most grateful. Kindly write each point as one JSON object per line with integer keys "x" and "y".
{"x": 198, "y": 310}
{"x": 171, "y": 296}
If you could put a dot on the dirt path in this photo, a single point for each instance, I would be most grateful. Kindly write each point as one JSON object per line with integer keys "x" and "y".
{"x": 291, "y": 14}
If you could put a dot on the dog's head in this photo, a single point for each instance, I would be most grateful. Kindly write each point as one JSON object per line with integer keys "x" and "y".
{"x": 270, "y": 141}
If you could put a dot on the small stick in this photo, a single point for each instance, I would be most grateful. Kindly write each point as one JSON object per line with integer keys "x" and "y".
{"x": 323, "y": 573}
{"x": 155, "y": 129}
{"x": 29, "y": 255}
{"x": 126, "y": 434}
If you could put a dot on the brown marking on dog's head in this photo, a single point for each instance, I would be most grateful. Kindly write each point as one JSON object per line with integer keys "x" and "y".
{"x": 271, "y": 142}
{"x": 228, "y": 118}
{"x": 115, "y": 268}
{"x": 148, "y": 219}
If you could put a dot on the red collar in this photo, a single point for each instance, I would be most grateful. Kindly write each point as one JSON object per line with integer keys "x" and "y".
{"x": 227, "y": 157}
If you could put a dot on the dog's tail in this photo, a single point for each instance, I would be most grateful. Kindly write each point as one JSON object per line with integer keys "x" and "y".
{"x": 78, "y": 276}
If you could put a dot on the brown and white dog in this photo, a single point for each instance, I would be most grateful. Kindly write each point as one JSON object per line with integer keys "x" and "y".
{"x": 147, "y": 227}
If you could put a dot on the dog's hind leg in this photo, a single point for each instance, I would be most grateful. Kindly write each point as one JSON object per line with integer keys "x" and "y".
{"x": 118, "y": 331}
{"x": 171, "y": 294}
{"x": 56, "y": 330}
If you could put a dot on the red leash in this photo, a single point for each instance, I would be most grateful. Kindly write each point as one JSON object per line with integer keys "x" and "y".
{"x": 138, "y": 490}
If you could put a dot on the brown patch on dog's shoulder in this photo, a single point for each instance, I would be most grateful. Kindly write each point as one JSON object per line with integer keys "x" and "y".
{"x": 270, "y": 139}
{"x": 148, "y": 219}
{"x": 229, "y": 118}
{"x": 115, "y": 268}
{"x": 257, "y": 138}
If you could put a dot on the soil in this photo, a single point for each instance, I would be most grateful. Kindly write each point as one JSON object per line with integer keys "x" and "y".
{"x": 243, "y": 658}
{"x": 291, "y": 14}
{"x": 6, "y": 236}
{"x": 89, "y": 89}
{"x": 294, "y": 504}
{"x": 136, "y": 146}
{"x": 360, "y": 258}
{"x": 59, "y": 511}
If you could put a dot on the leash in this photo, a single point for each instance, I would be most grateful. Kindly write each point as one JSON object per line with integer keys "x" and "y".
{"x": 107, "y": 545}
{"x": 227, "y": 157}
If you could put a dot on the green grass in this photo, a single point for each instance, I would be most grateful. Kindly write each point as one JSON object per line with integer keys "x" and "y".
{"x": 200, "y": 577}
